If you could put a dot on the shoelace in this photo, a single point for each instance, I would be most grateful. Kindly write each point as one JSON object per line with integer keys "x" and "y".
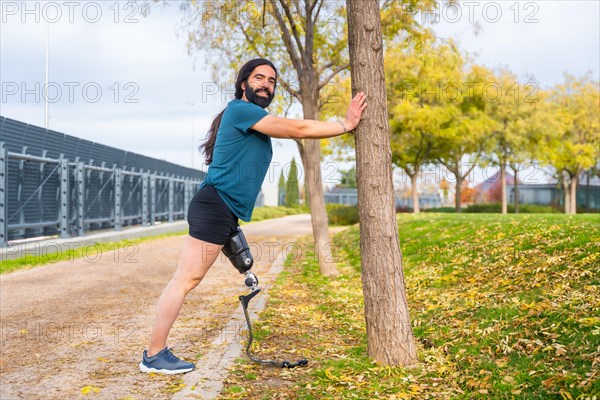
{"x": 169, "y": 356}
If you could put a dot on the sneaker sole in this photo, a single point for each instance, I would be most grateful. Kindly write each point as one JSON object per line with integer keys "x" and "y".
{"x": 145, "y": 369}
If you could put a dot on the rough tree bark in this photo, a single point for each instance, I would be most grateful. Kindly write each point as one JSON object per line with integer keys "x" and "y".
{"x": 389, "y": 332}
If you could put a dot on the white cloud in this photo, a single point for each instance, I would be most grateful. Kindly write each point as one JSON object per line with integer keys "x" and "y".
{"x": 543, "y": 38}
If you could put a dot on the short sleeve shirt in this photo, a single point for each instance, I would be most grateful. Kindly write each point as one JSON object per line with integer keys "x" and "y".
{"x": 241, "y": 158}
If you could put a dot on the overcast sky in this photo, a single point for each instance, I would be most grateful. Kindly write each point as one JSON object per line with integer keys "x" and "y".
{"x": 127, "y": 81}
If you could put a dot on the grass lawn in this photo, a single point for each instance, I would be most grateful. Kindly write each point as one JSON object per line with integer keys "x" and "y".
{"x": 502, "y": 307}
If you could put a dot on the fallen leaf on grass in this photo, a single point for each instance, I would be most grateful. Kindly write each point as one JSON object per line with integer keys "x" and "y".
{"x": 565, "y": 395}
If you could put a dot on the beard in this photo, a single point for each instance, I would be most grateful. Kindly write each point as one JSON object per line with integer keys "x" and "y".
{"x": 253, "y": 97}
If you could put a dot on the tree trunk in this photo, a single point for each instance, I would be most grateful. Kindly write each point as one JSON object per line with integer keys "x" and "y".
{"x": 503, "y": 187}
{"x": 574, "y": 183}
{"x": 567, "y": 192}
{"x": 516, "y": 171}
{"x": 587, "y": 191}
{"x": 313, "y": 182}
{"x": 457, "y": 192}
{"x": 389, "y": 332}
{"x": 415, "y": 193}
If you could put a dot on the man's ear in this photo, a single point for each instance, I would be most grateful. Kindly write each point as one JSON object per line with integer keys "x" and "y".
{"x": 243, "y": 85}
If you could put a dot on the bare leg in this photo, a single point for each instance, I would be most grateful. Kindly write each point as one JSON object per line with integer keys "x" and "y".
{"x": 196, "y": 258}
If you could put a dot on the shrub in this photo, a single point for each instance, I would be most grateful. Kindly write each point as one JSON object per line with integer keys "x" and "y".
{"x": 262, "y": 213}
{"x": 439, "y": 210}
{"x": 534, "y": 209}
{"x": 340, "y": 214}
{"x": 484, "y": 208}
{"x": 523, "y": 208}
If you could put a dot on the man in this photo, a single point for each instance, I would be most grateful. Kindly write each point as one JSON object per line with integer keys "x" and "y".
{"x": 239, "y": 139}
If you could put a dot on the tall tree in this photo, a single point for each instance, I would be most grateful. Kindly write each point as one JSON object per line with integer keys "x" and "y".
{"x": 576, "y": 143}
{"x": 414, "y": 71}
{"x": 389, "y": 332}
{"x": 281, "y": 188}
{"x": 464, "y": 137}
{"x": 348, "y": 179}
{"x": 292, "y": 192}
{"x": 306, "y": 39}
{"x": 514, "y": 140}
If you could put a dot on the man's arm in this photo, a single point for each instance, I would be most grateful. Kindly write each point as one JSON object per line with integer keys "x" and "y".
{"x": 286, "y": 128}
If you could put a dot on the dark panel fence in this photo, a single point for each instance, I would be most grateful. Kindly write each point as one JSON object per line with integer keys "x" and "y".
{"x": 56, "y": 184}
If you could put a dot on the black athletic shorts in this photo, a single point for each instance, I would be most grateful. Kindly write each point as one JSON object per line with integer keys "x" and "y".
{"x": 209, "y": 217}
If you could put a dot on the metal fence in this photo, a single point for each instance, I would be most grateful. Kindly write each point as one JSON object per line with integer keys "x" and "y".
{"x": 46, "y": 196}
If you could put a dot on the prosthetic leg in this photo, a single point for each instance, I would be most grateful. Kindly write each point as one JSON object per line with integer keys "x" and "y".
{"x": 237, "y": 250}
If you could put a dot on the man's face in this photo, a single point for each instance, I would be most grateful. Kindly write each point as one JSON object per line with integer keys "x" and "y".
{"x": 260, "y": 87}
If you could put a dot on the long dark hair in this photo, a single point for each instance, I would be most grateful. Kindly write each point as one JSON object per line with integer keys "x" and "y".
{"x": 243, "y": 74}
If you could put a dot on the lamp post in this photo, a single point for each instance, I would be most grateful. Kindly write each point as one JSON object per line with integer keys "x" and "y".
{"x": 46, "y": 108}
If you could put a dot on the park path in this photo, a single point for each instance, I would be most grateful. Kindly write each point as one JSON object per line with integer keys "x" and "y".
{"x": 76, "y": 328}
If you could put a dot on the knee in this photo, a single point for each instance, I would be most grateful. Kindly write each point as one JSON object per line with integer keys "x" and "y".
{"x": 192, "y": 284}
{"x": 188, "y": 283}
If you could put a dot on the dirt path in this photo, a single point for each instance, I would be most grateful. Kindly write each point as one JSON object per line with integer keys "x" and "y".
{"x": 76, "y": 329}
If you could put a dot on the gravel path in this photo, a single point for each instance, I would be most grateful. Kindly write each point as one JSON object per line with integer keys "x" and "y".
{"x": 76, "y": 329}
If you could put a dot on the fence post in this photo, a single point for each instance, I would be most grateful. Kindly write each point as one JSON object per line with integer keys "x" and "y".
{"x": 40, "y": 197}
{"x": 152, "y": 199}
{"x": 117, "y": 178}
{"x": 186, "y": 197}
{"x": 80, "y": 181}
{"x": 144, "y": 199}
{"x": 171, "y": 197}
{"x": 3, "y": 195}
{"x": 64, "y": 198}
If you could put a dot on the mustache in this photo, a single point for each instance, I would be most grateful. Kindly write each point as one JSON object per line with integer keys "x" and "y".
{"x": 259, "y": 99}
{"x": 267, "y": 91}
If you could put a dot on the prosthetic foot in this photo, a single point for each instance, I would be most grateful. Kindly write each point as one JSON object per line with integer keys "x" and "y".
{"x": 237, "y": 250}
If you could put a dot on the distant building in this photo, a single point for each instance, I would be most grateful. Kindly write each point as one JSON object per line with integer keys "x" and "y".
{"x": 337, "y": 195}
{"x": 490, "y": 191}
{"x": 349, "y": 196}
{"x": 426, "y": 200}
{"x": 552, "y": 194}
{"x": 267, "y": 197}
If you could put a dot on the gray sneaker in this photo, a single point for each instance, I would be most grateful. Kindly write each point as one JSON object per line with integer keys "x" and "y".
{"x": 165, "y": 362}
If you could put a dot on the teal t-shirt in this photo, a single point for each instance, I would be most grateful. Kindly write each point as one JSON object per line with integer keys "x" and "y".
{"x": 241, "y": 158}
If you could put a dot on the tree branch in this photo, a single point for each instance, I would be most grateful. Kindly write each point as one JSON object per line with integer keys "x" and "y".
{"x": 288, "y": 88}
{"x": 325, "y": 67}
{"x": 333, "y": 74}
{"x": 320, "y": 2}
{"x": 290, "y": 18}
{"x": 250, "y": 40}
{"x": 472, "y": 166}
{"x": 309, "y": 38}
{"x": 425, "y": 148}
{"x": 451, "y": 167}
{"x": 287, "y": 39}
